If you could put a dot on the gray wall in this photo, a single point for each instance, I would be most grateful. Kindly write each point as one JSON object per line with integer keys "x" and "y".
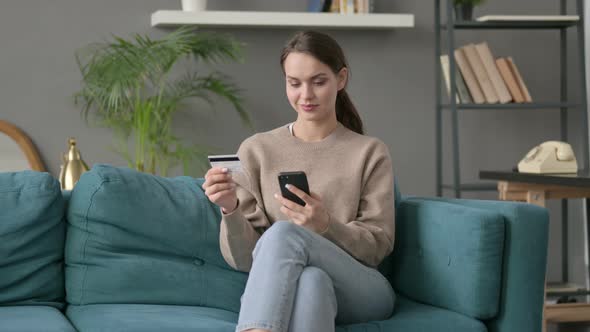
{"x": 392, "y": 86}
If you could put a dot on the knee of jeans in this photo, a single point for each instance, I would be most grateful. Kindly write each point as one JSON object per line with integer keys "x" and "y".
{"x": 278, "y": 234}
{"x": 317, "y": 282}
{"x": 283, "y": 235}
{"x": 316, "y": 278}
{"x": 281, "y": 230}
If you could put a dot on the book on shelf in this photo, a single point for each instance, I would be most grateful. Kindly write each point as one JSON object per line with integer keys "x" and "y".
{"x": 521, "y": 84}
{"x": 364, "y": 6}
{"x": 474, "y": 60}
{"x": 347, "y": 6}
{"x": 511, "y": 83}
{"x": 488, "y": 79}
{"x": 481, "y": 78}
{"x": 350, "y": 6}
{"x": 462, "y": 94}
{"x": 335, "y": 6}
{"x": 319, "y": 6}
{"x": 469, "y": 77}
{"x": 487, "y": 59}
{"x": 528, "y": 18}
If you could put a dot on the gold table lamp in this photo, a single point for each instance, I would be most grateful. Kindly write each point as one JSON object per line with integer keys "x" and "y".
{"x": 73, "y": 167}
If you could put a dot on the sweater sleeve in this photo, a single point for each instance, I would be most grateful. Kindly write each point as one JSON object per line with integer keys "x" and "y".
{"x": 241, "y": 229}
{"x": 369, "y": 238}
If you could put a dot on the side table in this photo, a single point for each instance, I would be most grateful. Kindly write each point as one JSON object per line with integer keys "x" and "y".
{"x": 536, "y": 189}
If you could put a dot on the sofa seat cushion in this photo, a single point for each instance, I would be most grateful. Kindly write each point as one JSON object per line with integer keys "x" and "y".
{"x": 150, "y": 318}
{"x": 410, "y": 316}
{"x": 32, "y": 236}
{"x": 33, "y": 318}
{"x": 138, "y": 238}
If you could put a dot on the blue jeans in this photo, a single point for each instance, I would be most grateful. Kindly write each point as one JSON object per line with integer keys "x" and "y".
{"x": 301, "y": 281}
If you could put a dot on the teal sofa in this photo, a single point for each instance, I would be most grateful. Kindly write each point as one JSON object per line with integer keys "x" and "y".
{"x": 127, "y": 251}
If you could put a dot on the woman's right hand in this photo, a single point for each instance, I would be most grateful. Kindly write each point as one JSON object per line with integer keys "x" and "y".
{"x": 220, "y": 188}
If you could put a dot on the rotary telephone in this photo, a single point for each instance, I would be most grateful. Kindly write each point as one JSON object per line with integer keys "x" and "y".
{"x": 549, "y": 157}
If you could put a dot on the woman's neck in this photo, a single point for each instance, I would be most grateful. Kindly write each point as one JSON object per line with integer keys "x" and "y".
{"x": 311, "y": 131}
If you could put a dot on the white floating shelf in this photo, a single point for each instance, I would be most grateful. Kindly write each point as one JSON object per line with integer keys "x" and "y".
{"x": 170, "y": 18}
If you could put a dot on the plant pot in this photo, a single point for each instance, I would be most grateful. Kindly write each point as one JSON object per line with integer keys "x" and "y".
{"x": 194, "y": 5}
{"x": 464, "y": 12}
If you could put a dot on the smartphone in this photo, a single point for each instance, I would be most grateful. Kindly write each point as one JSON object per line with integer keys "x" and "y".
{"x": 297, "y": 179}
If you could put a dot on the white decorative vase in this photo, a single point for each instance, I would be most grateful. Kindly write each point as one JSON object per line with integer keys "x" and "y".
{"x": 194, "y": 5}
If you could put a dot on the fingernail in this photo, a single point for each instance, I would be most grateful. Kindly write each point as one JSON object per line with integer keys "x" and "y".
{"x": 287, "y": 186}
{"x": 276, "y": 196}
{"x": 224, "y": 170}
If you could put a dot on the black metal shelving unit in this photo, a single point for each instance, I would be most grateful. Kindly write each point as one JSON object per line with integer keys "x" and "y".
{"x": 446, "y": 31}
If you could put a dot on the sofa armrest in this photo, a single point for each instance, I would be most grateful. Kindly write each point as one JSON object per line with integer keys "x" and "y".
{"x": 449, "y": 256}
{"x": 524, "y": 262}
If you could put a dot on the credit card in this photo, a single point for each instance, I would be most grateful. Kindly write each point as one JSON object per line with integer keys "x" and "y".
{"x": 229, "y": 161}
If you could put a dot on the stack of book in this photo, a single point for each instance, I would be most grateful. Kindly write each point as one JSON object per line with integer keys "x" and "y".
{"x": 341, "y": 6}
{"x": 482, "y": 79}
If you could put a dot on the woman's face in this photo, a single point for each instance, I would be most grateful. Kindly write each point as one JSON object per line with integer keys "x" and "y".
{"x": 312, "y": 86}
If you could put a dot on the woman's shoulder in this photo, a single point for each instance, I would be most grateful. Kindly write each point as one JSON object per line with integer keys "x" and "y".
{"x": 262, "y": 140}
{"x": 366, "y": 142}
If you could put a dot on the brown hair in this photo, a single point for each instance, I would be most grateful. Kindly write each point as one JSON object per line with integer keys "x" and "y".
{"x": 326, "y": 50}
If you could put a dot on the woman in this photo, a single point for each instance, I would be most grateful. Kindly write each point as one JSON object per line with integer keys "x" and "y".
{"x": 315, "y": 266}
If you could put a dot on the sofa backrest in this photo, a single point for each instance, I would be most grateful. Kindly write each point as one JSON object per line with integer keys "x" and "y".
{"x": 138, "y": 238}
{"x": 32, "y": 234}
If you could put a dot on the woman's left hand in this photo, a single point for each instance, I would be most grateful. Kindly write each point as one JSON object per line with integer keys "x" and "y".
{"x": 312, "y": 216}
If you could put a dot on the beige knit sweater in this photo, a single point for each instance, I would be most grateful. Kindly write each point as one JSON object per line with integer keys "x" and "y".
{"x": 351, "y": 173}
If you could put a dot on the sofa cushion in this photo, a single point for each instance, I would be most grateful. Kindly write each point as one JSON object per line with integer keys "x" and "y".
{"x": 32, "y": 234}
{"x": 448, "y": 256}
{"x": 138, "y": 238}
{"x": 410, "y": 316}
{"x": 33, "y": 318}
{"x": 147, "y": 318}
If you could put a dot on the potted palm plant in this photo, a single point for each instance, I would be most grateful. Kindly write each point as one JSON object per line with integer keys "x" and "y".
{"x": 464, "y": 9}
{"x": 129, "y": 86}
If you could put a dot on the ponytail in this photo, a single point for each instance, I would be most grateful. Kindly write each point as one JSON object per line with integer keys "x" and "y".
{"x": 346, "y": 113}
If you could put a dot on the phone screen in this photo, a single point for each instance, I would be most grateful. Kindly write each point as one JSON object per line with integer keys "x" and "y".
{"x": 297, "y": 179}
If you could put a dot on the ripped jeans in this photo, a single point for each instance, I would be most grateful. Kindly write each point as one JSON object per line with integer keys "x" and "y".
{"x": 301, "y": 281}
